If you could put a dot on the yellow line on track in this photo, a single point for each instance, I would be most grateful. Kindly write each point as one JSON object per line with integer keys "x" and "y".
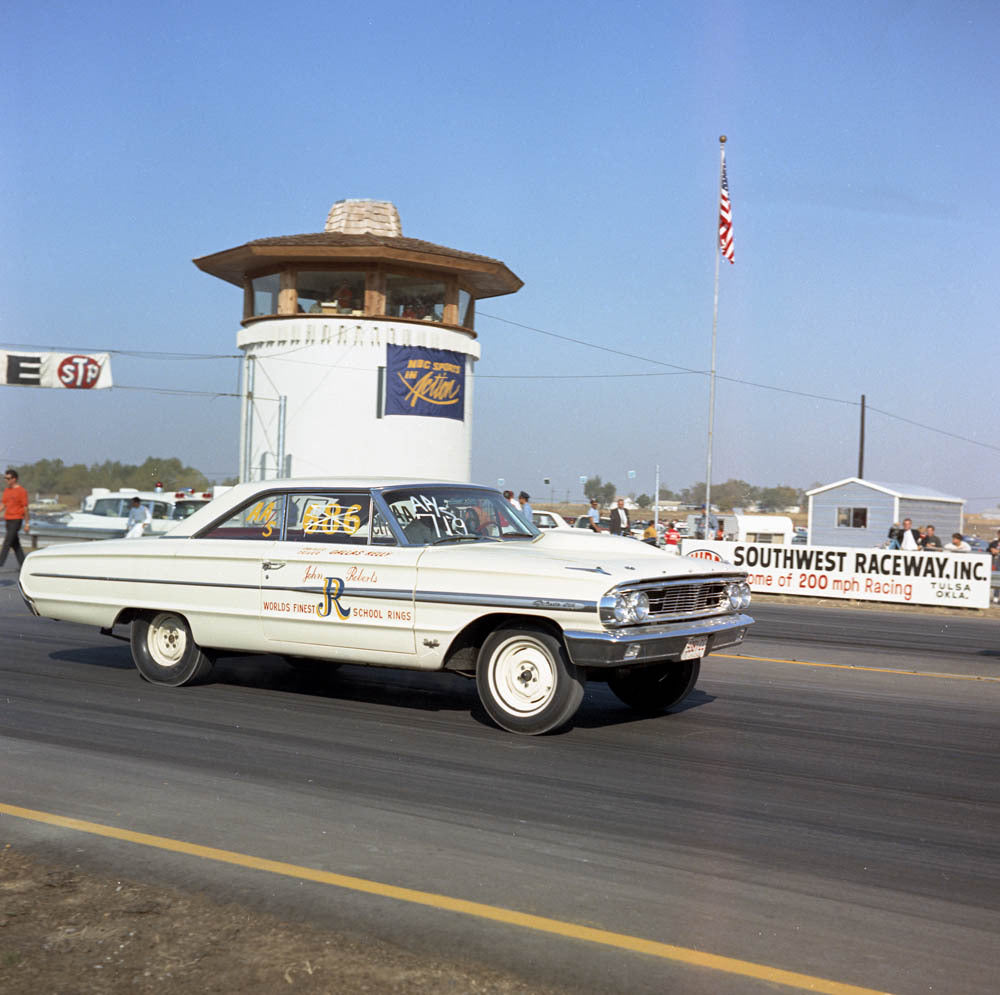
{"x": 667, "y": 951}
{"x": 851, "y": 666}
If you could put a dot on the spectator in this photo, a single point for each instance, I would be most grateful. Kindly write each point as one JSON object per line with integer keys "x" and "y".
{"x": 139, "y": 518}
{"x": 910, "y": 537}
{"x": 706, "y": 525}
{"x": 594, "y": 514}
{"x": 15, "y": 513}
{"x": 930, "y": 541}
{"x": 619, "y": 519}
{"x": 522, "y": 500}
{"x": 957, "y": 544}
{"x": 672, "y": 539}
{"x": 649, "y": 534}
{"x": 895, "y": 534}
{"x": 509, "y": 495}
{"x": 994, "y": 550}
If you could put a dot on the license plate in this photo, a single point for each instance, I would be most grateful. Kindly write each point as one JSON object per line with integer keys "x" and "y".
{"x": 695, "y": 648}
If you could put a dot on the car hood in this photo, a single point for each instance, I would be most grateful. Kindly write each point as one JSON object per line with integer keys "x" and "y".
{"x": 556, "y": 562}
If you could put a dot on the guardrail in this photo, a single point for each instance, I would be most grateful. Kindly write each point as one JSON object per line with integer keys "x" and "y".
{"x": 41, "y": 535}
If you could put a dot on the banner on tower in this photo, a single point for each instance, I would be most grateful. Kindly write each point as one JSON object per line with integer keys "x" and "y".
{"x": 428, "y": 382}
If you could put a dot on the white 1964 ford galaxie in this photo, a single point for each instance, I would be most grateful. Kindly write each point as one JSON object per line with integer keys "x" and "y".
{"x": 420, "y": 575}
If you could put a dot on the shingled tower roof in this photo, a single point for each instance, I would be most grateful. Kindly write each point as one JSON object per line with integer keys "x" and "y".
{"x": 364, "y": 217}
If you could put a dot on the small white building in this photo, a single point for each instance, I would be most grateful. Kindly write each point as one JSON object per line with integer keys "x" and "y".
{"x": 857, "y": 512}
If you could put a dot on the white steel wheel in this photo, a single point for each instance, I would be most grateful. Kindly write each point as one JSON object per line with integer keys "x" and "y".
{"x": 526, "y": 682}
{"x": 164, "y": 651}
{"x": 167, "y": 639}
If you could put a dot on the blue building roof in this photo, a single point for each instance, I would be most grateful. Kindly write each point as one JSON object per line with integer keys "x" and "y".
{"x": 896, "y": 490}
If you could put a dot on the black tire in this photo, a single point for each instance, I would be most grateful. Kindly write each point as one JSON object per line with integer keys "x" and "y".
{"x": 654, "y": 689}
{"x": 526, "y": 681}
{"x": 164, "y": 651}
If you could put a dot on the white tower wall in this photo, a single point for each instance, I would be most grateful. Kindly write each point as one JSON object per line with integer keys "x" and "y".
{"x": 327, "y": 369}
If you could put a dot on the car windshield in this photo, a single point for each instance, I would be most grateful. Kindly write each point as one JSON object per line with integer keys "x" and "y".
{"x": 435, "y": 513}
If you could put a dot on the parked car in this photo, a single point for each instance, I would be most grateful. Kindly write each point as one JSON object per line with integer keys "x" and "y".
{"x": 418, "y": 575}
{"x": 549, "y": 520}
{"x": 583, "y": 522}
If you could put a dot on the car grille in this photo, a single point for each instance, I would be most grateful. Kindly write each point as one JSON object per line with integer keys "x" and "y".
{"x": 686, "y": 599}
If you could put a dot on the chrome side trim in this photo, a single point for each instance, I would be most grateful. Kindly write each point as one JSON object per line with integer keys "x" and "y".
{"x": 426, "y": 597}
{"x": 504, "y": 601}
{"x": 151, "y": 580}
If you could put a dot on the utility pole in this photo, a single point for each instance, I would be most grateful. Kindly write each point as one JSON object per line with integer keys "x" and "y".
{"x": 861, "y": 442}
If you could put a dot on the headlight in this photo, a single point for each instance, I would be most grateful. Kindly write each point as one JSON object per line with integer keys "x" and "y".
{"x": 638, "y": 603}
{"x": 738, "y": 594}
{"x": 745, "y": 591}
{"x": 624, "y": 608}
{"x": 735, "y": 596}
{"x": 621, "y": 609}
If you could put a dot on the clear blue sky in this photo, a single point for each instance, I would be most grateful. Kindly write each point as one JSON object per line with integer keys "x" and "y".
{"x": 577, "y": 142}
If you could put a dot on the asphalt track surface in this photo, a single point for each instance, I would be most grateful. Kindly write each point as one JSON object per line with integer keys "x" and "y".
{"x": 822, "y": 814}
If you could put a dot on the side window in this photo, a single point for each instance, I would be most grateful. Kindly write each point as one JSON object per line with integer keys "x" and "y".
{"x": 258, "y": 520}
{"x": 341, "y": 517}
{"x": 381, "y": 533}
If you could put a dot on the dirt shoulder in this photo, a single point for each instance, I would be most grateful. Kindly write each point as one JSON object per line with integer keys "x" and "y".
{"x": 66, "y": 931}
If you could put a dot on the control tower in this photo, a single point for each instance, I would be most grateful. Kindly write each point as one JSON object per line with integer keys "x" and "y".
{"x": 359, "y": 348}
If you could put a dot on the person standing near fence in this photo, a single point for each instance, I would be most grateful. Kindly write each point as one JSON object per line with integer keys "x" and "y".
{"x": 15, "y": 513}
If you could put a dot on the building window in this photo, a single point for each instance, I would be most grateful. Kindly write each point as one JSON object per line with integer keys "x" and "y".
{"x": 414, "y": 298}
{"x": 852, "y": 518}
{"x": 331, "y": 292}
{"x": 466, "y": 312}
{"x": 265, "y": 294}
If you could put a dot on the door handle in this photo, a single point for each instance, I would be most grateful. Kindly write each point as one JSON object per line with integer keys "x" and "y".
{"x": 273, "y": 564}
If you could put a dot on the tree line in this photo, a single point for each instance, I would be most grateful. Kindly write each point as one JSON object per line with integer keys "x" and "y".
{"x": 731, "y": 494}
{"x": 70, "y": 483}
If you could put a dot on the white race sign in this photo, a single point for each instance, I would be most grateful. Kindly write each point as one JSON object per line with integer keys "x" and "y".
{"x": 958, "y": 580}
{"x": 65, "y": 370}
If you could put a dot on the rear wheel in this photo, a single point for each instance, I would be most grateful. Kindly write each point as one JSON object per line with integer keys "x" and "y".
{"x": 655, "y": 689}
{"x": 526, "y": 681}
{"x": 164, "y": 651}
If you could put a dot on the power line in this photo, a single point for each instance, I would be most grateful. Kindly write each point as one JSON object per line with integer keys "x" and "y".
{"x": 185, "y": 356}
{"x": 177, "y": 390}
{"x": 135, "y": 353}
{"x": 740, "y": 380}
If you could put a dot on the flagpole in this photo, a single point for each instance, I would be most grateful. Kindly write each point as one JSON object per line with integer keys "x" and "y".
{"x": 711, "y": 379}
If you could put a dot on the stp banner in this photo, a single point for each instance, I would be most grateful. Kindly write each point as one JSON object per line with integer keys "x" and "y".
{"x": 66, "y": 370}
{"x": 428, "y": 382}
{"x": 958, "y": 580}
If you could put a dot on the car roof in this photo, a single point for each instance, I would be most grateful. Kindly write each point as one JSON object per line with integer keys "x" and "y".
{"x": 241, "y": 493}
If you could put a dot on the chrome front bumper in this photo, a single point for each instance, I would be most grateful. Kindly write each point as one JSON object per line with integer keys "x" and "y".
{"x": 648, "y": 644}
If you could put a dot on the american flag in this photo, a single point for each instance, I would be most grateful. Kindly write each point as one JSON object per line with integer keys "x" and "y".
{"x": 725, "y": 216}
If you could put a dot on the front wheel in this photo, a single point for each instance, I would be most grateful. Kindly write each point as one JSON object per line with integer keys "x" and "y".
{"x": 526, "y": 681}
{"x": 164, "y": 651}
{"x": 655, "y": 689}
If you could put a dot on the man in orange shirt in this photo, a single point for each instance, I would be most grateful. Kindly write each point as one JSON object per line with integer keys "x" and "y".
{"x": 15, "y": 513}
